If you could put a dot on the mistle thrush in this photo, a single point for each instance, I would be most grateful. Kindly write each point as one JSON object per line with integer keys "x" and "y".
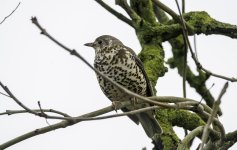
{"x": 120, "y": 63}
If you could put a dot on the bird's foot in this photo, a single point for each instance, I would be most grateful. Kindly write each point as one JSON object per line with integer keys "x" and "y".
{"x": 116, "y": 105}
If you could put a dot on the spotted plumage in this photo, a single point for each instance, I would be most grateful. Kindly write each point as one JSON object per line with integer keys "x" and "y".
{"x": 120, "y": 63}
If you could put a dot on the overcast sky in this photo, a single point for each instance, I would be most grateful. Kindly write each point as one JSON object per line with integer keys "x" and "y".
{"x": 35, "y": 69}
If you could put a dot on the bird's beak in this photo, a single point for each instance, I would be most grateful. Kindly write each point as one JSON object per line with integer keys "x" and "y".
{"x": 89, "y": 44}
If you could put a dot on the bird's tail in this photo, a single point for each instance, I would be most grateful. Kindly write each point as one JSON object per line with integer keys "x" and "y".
{"x": 151, "y": 127}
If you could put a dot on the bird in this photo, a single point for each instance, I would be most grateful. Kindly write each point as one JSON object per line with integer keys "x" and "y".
{"x": 121, "y": 64}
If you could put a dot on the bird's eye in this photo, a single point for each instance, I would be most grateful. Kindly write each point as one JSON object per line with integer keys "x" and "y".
{"x": 100, "y": 42}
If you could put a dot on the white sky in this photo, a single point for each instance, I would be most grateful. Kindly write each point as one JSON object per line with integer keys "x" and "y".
{"x": 36, "y": 69}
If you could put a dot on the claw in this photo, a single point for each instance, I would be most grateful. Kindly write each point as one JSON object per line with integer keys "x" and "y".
{"x": 116, "y": 105}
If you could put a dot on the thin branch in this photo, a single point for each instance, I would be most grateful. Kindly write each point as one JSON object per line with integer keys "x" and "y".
{"x": 180, "y": 101}
{"x": 194, "y": 133}
{"x": 183, "y": 6}
{"x": 115, "y": 13}
{"x": 198, "y": 64}
{"x": 41, "y": 110}
{"x": 185, "y": 53}
{"x": 232, "y": 79}
{"x": 175, "y": 16}
{"x": 137, "y": 111}
{"x": 5, "y": 88}
{"x": 12, "y": 96}
{"x": 4, "y": 94}
{"x": 205, "y": 116}
{"x": 12, "y": 112}
{"x": 210, "y": 119}
{"x": 10, "y": 13}
{"x": 133, "y": 15}
{"x": 167, "y": 10}
{"x": 55, "y": 126}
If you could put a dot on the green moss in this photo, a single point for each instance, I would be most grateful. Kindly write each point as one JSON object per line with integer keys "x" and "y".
{"x": 175, "y": 117}
{"x": 169, "y": 139}
{"x": 156, "y": 33}
{"x": 152, "y": 57}
{"x": 198, "y": 18}
{"x": 185, "y": 119}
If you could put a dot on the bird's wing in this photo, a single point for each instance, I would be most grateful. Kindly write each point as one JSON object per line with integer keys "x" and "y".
{"x": 141, "y": 66}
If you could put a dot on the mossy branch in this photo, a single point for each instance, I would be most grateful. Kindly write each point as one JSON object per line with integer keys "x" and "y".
{"x": 229, "y": 140}
{"x": 200, "y": 22}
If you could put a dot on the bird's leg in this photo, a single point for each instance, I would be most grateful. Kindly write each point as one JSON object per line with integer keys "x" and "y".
{"x": 134, "y": 101}
{"x": 116, "y": 105}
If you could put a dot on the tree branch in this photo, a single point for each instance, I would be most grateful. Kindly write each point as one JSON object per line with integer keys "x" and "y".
{"x": 194, "y": 133}
{"x": 133, "y": 15}
{"x": 216, "y": 28}
{"x": 211, "y": 118}
{"x": 10, "y": 13}
{"x": 90, "y": 116}
{"x": 198, "y": 82}
{"x": 40, "y": 114}
{"x": 62, "y": 124}
{"x": 12, "y": 112}
{"x": 230, "y": 139}
{"x": 115, "y": 13}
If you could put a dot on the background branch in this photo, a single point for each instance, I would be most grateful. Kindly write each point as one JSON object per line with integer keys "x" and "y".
{"x": 10, "y": 13}
{"x": 210, "y": 119}
{"x": 115, "y": 13}
{"x": 12, "y": 112}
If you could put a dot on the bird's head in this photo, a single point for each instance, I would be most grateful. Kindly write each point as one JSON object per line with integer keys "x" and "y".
{"x": 104, "y": 43}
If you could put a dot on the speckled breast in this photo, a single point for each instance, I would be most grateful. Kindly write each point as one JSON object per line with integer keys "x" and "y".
{"x": 120, "y": 66}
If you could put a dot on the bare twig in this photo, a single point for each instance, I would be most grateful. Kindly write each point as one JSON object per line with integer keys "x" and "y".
{"x": 198, "y": 64}
{"x": 41, "y": 110}
{"x": 210, "y": 119}
{"x": 133, "y": 15}
{"x": 117, "y": 115}
{"x": 4, "y": 94}
{"x": 42, "y": 113}
{"x": 115, "y": 13}
{"x": 10, "y": 13}
{"x": 11, "y": 112}
{"x": 16, "y": 100}
{"x": 168, "y": 10}
{"x": 180, "y": 101}
{"x": 183, "y": 6}
{"x": 55, "y": 126}
{"x": 12, "y": 96}
{"x": 185, "y": 52}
